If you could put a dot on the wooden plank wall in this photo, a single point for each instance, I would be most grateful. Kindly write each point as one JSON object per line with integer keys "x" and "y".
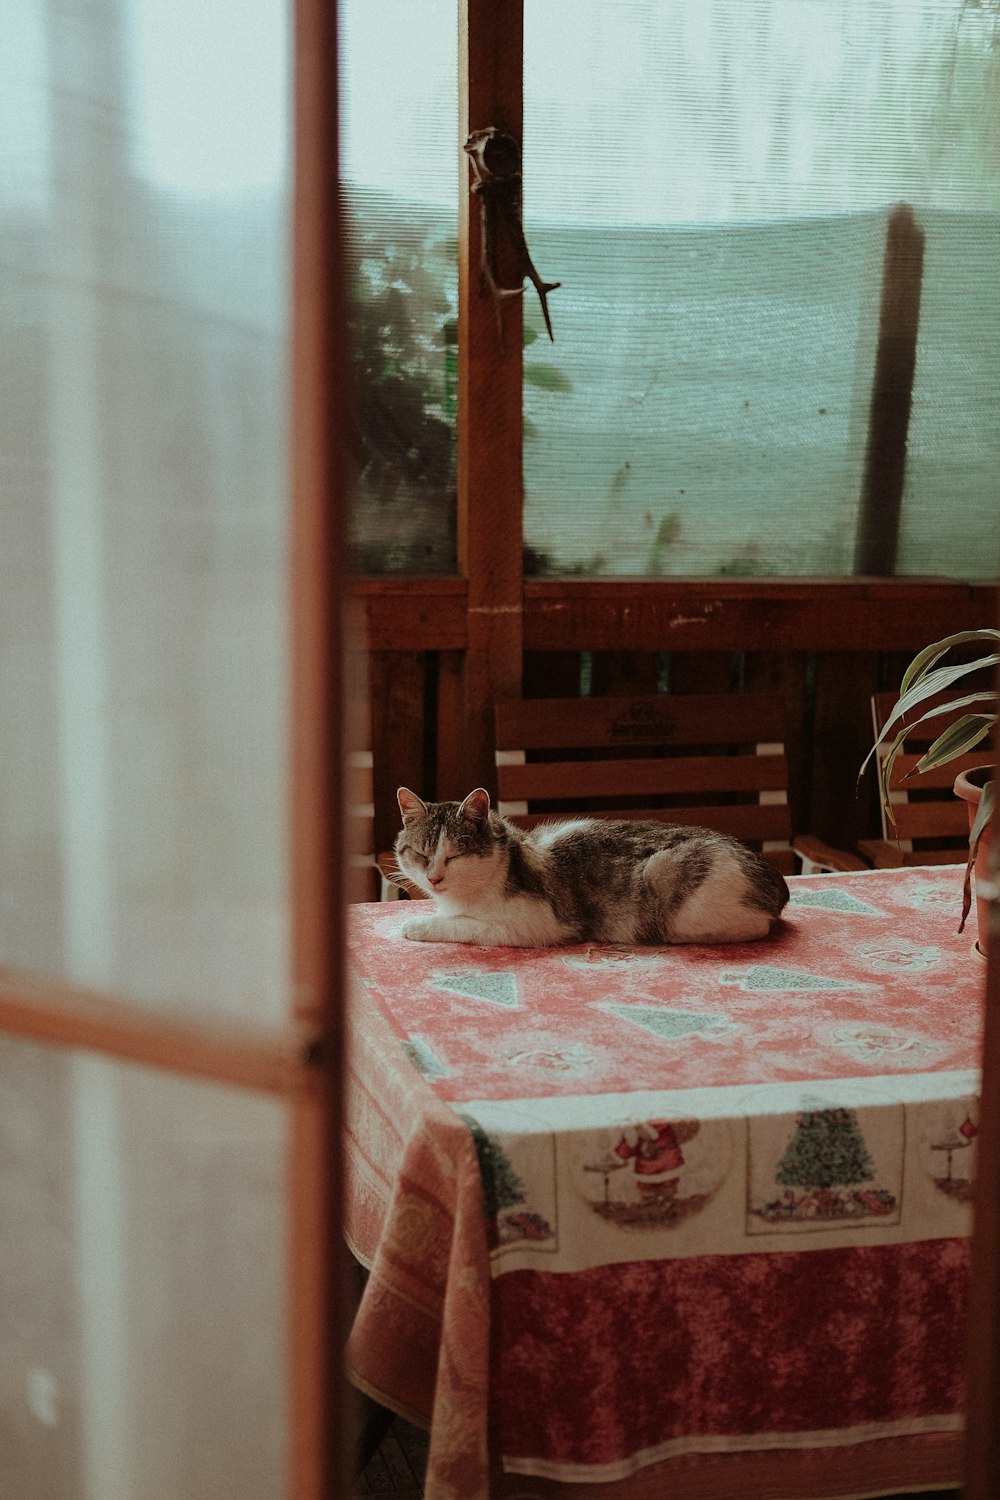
{"x": 854, "y": 639}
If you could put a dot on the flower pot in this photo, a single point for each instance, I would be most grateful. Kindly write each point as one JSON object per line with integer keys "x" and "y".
{"x": 969, "y": 786}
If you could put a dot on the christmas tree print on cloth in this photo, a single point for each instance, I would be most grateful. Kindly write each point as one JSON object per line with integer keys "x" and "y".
{"x": 496, "y": 988}
{"x": 425, "y": 1059}
{"x": 504, "y": 1192}
{"x": 840, "y": 901}
{"x": 827, "y": 1174}
{"x": 764, "y": 977}
{"x": 672, "y": 1025}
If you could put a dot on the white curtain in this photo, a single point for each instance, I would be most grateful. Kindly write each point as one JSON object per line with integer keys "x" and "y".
{"x": 144, "y": 311}
{"x": 143, "y": 652}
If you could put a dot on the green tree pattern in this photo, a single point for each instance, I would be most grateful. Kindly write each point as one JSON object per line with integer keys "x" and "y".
{"x": 502, "y": 1188}
{"x": 827, "y": 1150}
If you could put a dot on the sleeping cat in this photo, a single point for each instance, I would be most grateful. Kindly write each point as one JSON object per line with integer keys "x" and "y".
{"x": 582, "y": 880}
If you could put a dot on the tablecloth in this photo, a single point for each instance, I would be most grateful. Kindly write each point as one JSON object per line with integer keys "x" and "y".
{"x": 699, "y": 1211}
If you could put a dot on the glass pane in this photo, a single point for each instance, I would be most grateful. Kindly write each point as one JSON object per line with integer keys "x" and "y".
{"x": 711, "y": 181}
{"x": 142, "y": 1261}
{"x": 145, "y": 323}
{"x": 399, "y": 108}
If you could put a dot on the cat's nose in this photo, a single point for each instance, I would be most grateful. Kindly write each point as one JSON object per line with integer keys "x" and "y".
{"x": 435, "y": 879}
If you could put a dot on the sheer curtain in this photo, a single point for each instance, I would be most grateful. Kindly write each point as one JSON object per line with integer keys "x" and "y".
{"x": 144, "y": 676}
{"x": 144, "y": 512}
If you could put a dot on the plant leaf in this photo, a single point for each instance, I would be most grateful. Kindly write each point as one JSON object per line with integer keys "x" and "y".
{"x": 885, "y": 773}
{"x": 934, "y": 682}
{"x": 984, "y": 813}
{"x": 957, "y": 739}
{"x": 966, "y": 892}
{"x": 932, "y": 653}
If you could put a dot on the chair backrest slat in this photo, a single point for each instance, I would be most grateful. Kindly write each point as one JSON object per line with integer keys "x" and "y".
{"x": 710, "y": 760}
{"x": 752, "y": 821}
{"x": 664, "y": 720}
{"x": 568, "y": 779}
{"x": 930, "y": 820}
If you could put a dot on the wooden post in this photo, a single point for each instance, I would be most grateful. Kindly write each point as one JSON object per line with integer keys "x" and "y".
{"x": 981, "y": 1477}
{"x": 490, "y": 484}
{"x": 892, "y": 396}
{"x": 318, "y": 1302}
{"x": 838, "y": 811}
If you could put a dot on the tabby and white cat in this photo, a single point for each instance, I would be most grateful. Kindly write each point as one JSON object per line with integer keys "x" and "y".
{"x": 582, "y": 880}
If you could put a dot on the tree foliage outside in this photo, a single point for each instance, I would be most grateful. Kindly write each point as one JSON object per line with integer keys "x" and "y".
{"x": 404, "y": 334}
{"x": 403, "y": 283}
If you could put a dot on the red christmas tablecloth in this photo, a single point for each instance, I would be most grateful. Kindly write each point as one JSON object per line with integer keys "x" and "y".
{"x": 694, "y": 1210}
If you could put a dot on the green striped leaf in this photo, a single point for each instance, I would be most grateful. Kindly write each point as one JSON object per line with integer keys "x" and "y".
{"x": 958, "y": 739}
{"x": 932, "y": 653}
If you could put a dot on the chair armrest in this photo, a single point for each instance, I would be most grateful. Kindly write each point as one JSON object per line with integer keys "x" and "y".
{"x": 883, "y": 854}
{"x": 817, "y": 856}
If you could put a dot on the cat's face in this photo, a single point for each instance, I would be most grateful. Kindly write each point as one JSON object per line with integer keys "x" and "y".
{"x": 448, "y": 849}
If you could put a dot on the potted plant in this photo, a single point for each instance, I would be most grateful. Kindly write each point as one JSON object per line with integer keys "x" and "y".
{"x": 922, "y": 681}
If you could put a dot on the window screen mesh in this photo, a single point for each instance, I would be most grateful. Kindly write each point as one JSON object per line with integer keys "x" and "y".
{"x": 711, "y": 180}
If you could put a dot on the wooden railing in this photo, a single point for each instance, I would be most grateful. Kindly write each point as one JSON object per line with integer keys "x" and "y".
{"x": 824, "y": 645}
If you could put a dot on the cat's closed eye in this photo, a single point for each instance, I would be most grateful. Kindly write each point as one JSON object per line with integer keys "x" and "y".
{"x": 415, "y": 854}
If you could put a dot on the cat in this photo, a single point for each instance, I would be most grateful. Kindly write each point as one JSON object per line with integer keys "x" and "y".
{"x": 581, "y": 880}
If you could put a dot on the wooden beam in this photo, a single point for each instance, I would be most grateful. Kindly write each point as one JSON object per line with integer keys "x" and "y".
{"x": 418, "y": 614}
{"x": 490, "y": 485}
{"x": 320, "y": 1439}
{"x": 892, "y": 396}
{"x": 616, "y": 614}
{"x": 765, "y": 615}
{"x": 60, "y": 1014}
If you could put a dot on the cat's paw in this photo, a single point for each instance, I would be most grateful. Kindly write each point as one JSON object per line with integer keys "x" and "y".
{"x": 420, "y": 930}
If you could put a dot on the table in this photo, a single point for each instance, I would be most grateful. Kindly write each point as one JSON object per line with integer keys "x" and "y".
{"x": 645, "y": 1222}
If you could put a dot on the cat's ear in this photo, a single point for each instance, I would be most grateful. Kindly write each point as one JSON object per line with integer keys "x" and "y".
{"x": 410, "y": 804}
{"x": 476, "y": 806}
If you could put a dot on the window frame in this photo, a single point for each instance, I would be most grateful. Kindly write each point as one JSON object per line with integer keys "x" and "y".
{"x": 300, "y": 1063}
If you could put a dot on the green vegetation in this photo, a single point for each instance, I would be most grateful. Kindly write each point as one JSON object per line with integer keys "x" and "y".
{"x": 404, "y": 335}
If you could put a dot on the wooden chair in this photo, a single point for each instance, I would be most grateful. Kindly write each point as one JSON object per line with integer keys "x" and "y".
{"x": 716, "y": 760}
{"x": 362, "y": 873}
{"x": 368, "y": 873}
{"x": 932, "y": 825}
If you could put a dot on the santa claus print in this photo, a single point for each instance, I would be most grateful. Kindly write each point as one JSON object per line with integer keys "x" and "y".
{"x": 656, "y": 1157}
{"x": 653, "y": 1174}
